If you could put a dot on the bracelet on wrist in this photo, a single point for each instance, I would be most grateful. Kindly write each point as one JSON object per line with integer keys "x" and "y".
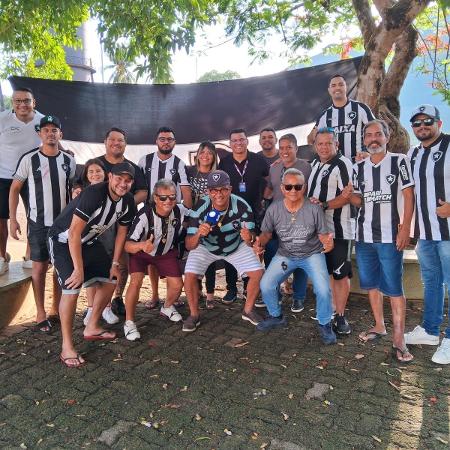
{"x": 115, "y": 263}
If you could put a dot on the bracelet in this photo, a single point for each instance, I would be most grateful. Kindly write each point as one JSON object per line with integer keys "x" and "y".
{"x": 115, "y": 263}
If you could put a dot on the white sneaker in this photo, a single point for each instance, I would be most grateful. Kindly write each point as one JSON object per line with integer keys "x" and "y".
{"x": 4, "y": 263}
{"x": 171, "y": 313}
{"x": 130, "y": 330}
{"x": 420, "y": 336}
{"x": 442, "y": 354}
{"x": 27, "y": 263}
{"x": 87, "y": 316}
{"x": 109, "y": 316}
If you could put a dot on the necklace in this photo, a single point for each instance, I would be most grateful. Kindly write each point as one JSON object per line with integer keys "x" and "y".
{"x": 293, "y": 213}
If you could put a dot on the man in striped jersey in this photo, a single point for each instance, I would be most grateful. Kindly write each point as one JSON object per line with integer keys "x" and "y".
{"x": 48, "y": 172}
{"x": 383, "y": 187}
{"x": 430, "y": 162}
{"x": 331, "y": 173}
{"x": 81, "y": 260}
{"x": 346, "y": 116}
{"x": 219, "y": 228}
{"x": 152, "y": 240}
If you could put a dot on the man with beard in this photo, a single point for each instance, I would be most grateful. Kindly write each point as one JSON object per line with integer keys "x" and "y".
{"x": 384, "y": 193}
{"x": 430, "y": 162}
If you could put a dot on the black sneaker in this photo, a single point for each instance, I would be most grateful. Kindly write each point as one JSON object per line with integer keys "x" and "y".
{"x": 297, "y": 305}
{"x": 327, "y": 334}
{"x": 229, "y": 298}
{"x": 259, "y": 302}
{"x": 340, "y": 325}
{"x": 118, "y": 306}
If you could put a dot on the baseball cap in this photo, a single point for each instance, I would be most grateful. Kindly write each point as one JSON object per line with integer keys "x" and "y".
{"x": 123, "y": 167}
{"x": 53, "y": 120}
{"x": 428, "y": 110}
{"x": 218, "y": 178}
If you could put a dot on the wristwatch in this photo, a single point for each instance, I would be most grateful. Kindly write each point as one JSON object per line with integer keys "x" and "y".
{"x": 325, "y": 205}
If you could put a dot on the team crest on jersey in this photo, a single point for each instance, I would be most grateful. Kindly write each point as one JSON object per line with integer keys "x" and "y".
{"x": 351, "y": 115}
{"x": 65, "y": 167}
{"x": 236, "y": 224}
{"x": 174, "y": 222}
{"x": 325, "y": 173}
{"x": 173, "y": 171}
{"x": 119, "y": 214}
{"x": 390, "y": 178}
{"x": 437, "y": 156}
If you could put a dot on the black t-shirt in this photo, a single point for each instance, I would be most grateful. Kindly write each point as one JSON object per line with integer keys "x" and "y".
{"x": 255, "y": 169}
{"x": 198, "y": 181}
{"x": 98, "y": 210}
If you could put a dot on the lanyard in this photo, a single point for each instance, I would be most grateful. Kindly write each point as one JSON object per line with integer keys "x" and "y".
{"x": 243, "y": 171}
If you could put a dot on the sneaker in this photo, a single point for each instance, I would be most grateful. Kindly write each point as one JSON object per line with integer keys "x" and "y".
{"x": 253, "y": 317}
{"x": 272, "y": 322}
{"x": 87, "y": 316}
{"x": 109, "y": 316}
{"x": 442, "y": 354}
{"x": 27, "y": 263}
{"x": 327, "y": 334}
{"x": 171, "y": 313}
{"x": 259, "y": 302}
{"x": 297, "y": 305}
{"x": 4, "y": 263}
{"x": 191, "y": 324}
{"x": 340, "y": 325}
{"x": 229, "y": 298}
{"x": 130, "y": 330}
{"x": 117, "y": 306}
{"x": 420, "y": 336}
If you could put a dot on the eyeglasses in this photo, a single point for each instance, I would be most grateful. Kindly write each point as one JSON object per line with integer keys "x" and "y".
{"x": 163, "y": 139}
{"x": 215, "y": 191}
{"x": 289, "y": 187}
{"x": 427, "y": 122}
{"x": 25, "y": 101}
{"x": 164, "y": 198}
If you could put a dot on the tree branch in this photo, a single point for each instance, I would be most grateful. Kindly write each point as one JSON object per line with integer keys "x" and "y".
{"x": 382, "y": 6}
{"x": 365, "y": 19}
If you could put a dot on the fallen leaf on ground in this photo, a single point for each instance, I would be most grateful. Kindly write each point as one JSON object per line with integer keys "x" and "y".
{"x": 394, "y": 386}
{"x": 285, "y": 416}
{"x": 198, "y": 417}
{"x": 146, "y": 424}
{"x": 71, "y": 401}
{"x": 184, "y": 389}
{"x": 291, "y": 396}
{"x": 227, "y": 432}
{"x": 202, "y": 438}
{"x": 442, "y": 440}
{"x": 359, "y": 356}
{"x": 376, "y": 438}
{"x": 241, "y": 344}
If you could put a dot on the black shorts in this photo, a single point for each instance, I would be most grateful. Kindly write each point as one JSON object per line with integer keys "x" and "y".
{"x": 37, "y": 238}
{"x": 5, "y": 186}
{"x": 96, "y": 264}
{"x": 339, "y": 261}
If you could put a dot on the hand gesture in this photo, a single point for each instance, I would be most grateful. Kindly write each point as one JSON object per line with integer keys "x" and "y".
{"x": 443, "y": 211}
{"x": 315, "y": 201}
{"x": 257, "y": 247}
{"x": 76, "y": 192}
{"x": 14, "y": 229}
{"x": 402, "y": 240}
{"x": 75, "y": 280}
{"x": 204, "y": 229}
{"x": 327, "y": 242}
{"x": 348, "y": 190}
{"x": 361, "y": 155}
{"x": 246, "y": 235}
{"x": 147, "y": 246}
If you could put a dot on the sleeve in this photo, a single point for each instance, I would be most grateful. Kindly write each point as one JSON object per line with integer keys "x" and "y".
{"x": 139, "y": 180}
{"x": 344, "y": 174}
{"x": 73, "y": 169}
{"x": 404, "y": 168}
{"x": 321, "y": 120}
{"x": 128, "y": 217}
{"x": 22, "y": 169}
{"x": 183, "y": 174}
{"x": 306, "y": 170}
{"x": 90, "y": 200}
{"x": 139, "y": 227}
{"x": 141, "y": 163}
{"x": 268, "y": 224}
{"x": 246, "y": 214}
{"x": 356, "y": 187}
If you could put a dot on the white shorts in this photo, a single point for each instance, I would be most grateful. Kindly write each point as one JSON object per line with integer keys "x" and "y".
{"x": 243, "y": 259}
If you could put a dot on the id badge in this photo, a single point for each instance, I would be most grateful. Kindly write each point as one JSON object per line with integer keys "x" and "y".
{"x": 242, "y": 187}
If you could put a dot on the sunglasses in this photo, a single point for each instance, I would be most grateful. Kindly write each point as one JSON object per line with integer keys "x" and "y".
{"x": 427, "y": 122}
{"x": 289, "y": 187}
{"x": 163, "y": 198}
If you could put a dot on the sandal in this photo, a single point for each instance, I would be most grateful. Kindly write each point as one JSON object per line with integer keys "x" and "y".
{"x": 77, "y": 358}
{"x": 210, "y": 304}
{"x": 403, "y": 352}
{"x": 371, "y": 336}
{"x": 152, "y": 304}
{"x": 43, "y": 327}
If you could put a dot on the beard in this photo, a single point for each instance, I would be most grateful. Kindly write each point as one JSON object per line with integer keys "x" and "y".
{"x": 375, "y": 150}
{"x": 164, "y": 151}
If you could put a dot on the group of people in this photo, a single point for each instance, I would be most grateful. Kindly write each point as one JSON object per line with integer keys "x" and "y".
{"x": 264, "y": 216}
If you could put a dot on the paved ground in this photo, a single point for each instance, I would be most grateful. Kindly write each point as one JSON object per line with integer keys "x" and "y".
{"x": 225, "y": 386}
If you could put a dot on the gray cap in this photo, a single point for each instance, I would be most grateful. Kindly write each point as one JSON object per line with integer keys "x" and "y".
{"x": 218, "y": 178}
{"x": 123, "y": 167}
{"x": 428, "y": 110}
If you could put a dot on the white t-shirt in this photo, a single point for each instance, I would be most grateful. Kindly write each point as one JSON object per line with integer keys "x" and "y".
{"x": 16, "y": 138}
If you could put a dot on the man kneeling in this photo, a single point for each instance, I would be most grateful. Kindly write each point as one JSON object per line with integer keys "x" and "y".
{"x": 152, "y": 240}
{"x": 219, "y": 228}
{"x": 301, "y": 229}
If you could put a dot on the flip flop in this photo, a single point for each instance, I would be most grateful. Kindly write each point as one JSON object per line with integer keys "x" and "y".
{"x": 152, "y": 304}
{"x": 43, "y": 327}
{"x": 101, "y": 336}
{"x": 403, "y": 352}
{"x": 72, "y": 358}
{"x": 53, "y": 318}
{"x": 371, "y": 336}
{"x": 210, "y": 304}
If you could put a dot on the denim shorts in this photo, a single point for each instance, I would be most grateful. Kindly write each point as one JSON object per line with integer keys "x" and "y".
{"x": 380, "y": 266}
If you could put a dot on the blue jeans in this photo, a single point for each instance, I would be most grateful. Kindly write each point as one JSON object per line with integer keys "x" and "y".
{"x": 300, "y": 278}
{"x": 281, "y": 267}
{"x": 434, "y": 260}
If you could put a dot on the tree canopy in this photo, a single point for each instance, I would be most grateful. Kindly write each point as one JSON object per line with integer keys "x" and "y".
{"x": 214, "y": 75}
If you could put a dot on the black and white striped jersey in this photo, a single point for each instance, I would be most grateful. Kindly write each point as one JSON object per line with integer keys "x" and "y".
{"x": 380, "y": 186}
{"x": 100, "y": 212}
{"x": 431, "y": 172}
{"x": 48, "y": 183}
{"x": 165, "y": 230}
{"x": 326, "y": 182}
{"x": 348, "y": 122}
{"x": 172, "y": 168}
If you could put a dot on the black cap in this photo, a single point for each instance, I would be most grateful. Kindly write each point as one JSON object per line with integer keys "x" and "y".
{"x": 53, "y": 120}
{"x": 218, "y": 178}
{"x": 123, "y": 167}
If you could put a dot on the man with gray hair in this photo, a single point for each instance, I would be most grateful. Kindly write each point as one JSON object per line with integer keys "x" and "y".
{"x": 303, "y": 238}
{"x": 152, "y": 240}
{"x": 384, "y": 194}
